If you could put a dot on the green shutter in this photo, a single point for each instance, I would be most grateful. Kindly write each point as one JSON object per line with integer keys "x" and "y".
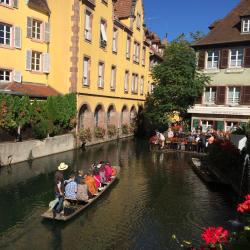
{"x": 242, "y": 124}
{"x": 195, "y": 123}
{"x": 220, "y": 125}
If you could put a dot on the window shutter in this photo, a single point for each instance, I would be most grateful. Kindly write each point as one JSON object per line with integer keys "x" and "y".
{"x": 245, "y": 95}
{"x": 195, "y": 123}
{"x": 29, "y": 27}
{"x": 17, "y": 76}
{"x": 219, "y": 125}
{"x": 247, "y": 58}
{"x": 85, "y": 72}
{"x": 221, "y": 95}
{"x": 224, "y": 58}
{"x": 46, "y": 63}
{"x": 46, "y": 32}
{"x": 201, "y": 61}
{"x": 15, "y": 3}
{"x": 17, "y": 37}
{"x": 28, "y": 59}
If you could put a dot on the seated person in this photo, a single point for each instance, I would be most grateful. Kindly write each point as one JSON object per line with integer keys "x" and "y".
{"x": 82, "y": 191}
{"x": 102, "y": 174}
{"x": 90, "y": 181}
{"x": 97, "y": 179}
{"x": 114, "y": 172}
{"x": 71, "y": 188}
{"x": 79, "y": 177}
{"x": 108, "y": 172}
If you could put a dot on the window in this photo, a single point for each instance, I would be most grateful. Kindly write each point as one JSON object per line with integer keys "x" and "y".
{"x": 88, "y": 26}
{"x": 233, "y": 95}
{"x": 210, "y": 95}
{"x": 5, "y": 75}
{"x": 206, "y": 125}
{"x": 134, "y": 87}
{"x": 36, "y": 61}
{"x": 236, "y": 58}
{"x": 212, "y": 59}
{"x": 126, "y": 81}
{"x": 115, "y": 39}
{"x": 136, "y": 56}
{"x": 103, "y": 34}
{"x": 101, "y": 75}
{"x": 143, "y": 56}
{"x": 113, "y": 78}
{"x": 7, "y": 2}
{"x": 5, "y": 34}
{"x": 231, "y": 126}
{"x": 36, "y": 29}
{"x": 142, "y": 86}
{"x": 246, "y": 25}
{"x": 128, "y": 47}
{"x": 86, "y": 71}
{"x": 138, "y": 21}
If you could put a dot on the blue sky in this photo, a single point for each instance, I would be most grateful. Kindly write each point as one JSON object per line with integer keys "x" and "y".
{"x": 177, "y": 16}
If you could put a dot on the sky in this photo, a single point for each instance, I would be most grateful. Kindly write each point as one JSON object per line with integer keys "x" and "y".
{"x": 183, "y": 16}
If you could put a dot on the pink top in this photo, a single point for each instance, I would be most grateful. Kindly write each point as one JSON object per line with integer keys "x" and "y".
{"x": 97, "y": 180}
{"x": 108, "y": 172}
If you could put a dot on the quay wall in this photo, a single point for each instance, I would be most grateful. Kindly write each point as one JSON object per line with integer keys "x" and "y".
{"x": 15, "y": 152}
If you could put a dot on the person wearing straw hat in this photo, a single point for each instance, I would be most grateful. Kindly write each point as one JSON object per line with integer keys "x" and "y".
{"x": 59, "y": 187}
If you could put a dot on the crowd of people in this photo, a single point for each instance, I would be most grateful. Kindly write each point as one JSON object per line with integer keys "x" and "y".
{"x": 80, "y": 187}
{"x": 195, "y": 140}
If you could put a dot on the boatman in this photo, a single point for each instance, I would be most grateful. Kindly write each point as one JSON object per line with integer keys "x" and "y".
{"x": 59, "y": 188}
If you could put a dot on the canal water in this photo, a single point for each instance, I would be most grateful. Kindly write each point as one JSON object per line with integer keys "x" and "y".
{"x": 157, "y": 195}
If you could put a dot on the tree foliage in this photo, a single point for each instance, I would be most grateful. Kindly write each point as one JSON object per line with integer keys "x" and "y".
{"x": 177, "y": 83}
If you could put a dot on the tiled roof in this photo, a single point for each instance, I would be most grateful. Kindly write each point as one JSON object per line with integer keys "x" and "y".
{"x": 40, "y": 5}
{"x": 34, "y": 90}
{"x": 228, "y": 30}
{"x": 123, "y": 8}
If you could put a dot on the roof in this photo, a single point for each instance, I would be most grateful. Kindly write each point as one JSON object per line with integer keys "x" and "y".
{"x": 228, "y": 30}
{"x": 124, "y": 8}
{"x": 30, "y": 89}
{"x": 40, "y": 5}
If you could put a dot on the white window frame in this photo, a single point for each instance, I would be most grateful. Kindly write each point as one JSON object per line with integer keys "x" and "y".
{"x": 115, "y": 40}
{"x": 211, "y": 97}
{"x": 5, "y": 32}
{"x": 6, "y": 2}
{"x": 142, "y": 85}
{"x": 5, "y": 75}
{"x": 36, "y": 61}
{"x": 237, "y": 62}
{"x": 36, "y": 32}
{"x": 128, "y": 47}
{"x": 101, "y": 75}
{"x": 126, "y": 81}
{"x": 235, "y": 99}
{"x": 246, "y": 25}
{"x": 232, "y": 127}
{"x": 103, "y": 33}
{"x": 86, "y": 69}
{"x": 214, "y": 61}
{"x": 143, "y": 56}
{"x": 136, "y": 56}
{"x": 88, "y": 26}
{"x": 113, "y": 77}
{"x": 206, "y": 124}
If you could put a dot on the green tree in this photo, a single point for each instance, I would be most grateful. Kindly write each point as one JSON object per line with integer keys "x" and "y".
{"x": 178, "y": 83}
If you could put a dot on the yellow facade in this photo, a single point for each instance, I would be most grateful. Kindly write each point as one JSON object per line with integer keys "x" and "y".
{"x": 68, "y": 48}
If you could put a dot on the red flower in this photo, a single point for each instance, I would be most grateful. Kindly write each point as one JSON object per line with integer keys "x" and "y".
{"x": 213, "y": 235}
{"x": 244, "y": 207}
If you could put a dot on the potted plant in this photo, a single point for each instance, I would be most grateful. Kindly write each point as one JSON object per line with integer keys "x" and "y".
{"x": 99, "y": 132}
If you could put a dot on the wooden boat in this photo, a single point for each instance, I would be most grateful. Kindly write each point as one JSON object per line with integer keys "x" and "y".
{"x": 204, "y": 172}
{"x": 77, "y": 208}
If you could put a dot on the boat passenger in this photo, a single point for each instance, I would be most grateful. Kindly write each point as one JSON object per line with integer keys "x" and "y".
{"x": 79, "y": 177}
{"x": 71, "y": 188}
{"x": 108, "y": 172}
{"x": 59, "y": 188}
{"x": 82, "y": 191}
{"x": 90, "y": 181}
{"x": 114, "y": 172}
{"x": 102, "y": 174}
{"x": 97, "y": 179}
{"x": 161, "y": 139}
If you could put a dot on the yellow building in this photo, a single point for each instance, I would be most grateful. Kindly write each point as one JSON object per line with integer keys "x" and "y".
{"x": 98, "y": 49}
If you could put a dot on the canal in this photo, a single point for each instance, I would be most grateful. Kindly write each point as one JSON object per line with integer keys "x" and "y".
{"x": 157, "y": 195}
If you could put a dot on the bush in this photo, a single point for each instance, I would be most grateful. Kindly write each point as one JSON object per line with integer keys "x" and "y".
{"x": 132, "y": 128}
{"x": 85, "y": 135}
{"x": 99, "y": 132}
{"x": 125, "y": 129}
{"x": 112, "y": 130}
{"x": 41, "y": 129}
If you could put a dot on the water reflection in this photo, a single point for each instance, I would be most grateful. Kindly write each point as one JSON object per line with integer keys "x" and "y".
{"x": 157, "y": 194}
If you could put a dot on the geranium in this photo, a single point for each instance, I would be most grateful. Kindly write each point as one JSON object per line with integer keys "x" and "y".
{"x": 244, "y": 207}
{"x": 215, "y": 235}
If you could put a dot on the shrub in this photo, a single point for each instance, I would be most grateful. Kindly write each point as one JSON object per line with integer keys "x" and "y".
{"x": 41, "y": 129}
{"x": 132, "y": 128}
{"x": 112, "y": 130}
{"x": 125, "y": 129}
{"x": 99, "y": 132}
{"x": 85, "y": 135}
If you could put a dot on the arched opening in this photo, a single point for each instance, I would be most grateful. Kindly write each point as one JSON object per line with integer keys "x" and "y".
{"x": 133, "y": 114}
{"x": 111, "y": 116}
{"x": 124, "y": 115}
{"x": 84, "y": 117}
{"x": 99, "y": 116}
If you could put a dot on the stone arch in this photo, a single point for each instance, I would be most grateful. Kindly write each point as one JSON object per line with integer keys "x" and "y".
{"x": 99, "y": 116}
{"x": 111, "y": 115}
{"x": 124, "y": 115}
{"x": 133, "y": 114}
{"x": 85, "y": 117}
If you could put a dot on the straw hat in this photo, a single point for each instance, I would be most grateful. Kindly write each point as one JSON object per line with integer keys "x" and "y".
{"x": 62, "y": 166}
